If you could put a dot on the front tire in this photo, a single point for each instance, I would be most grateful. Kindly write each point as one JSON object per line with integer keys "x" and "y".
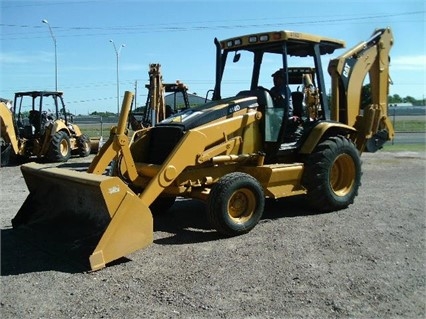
{"x": 60, "y": 147}
{"x": 235, "y": 204}
{"x": 332, "y": 174}
{"x": 7, "y": 156}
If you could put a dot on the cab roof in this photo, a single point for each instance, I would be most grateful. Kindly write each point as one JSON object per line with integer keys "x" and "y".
{"x": 38, "y": 93}
{"x": 298, "y": 43}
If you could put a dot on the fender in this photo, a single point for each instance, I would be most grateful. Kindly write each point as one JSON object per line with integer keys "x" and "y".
{"x": 321, "y": 129}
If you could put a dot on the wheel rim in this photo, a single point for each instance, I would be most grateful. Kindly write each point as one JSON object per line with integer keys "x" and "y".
{"x": 343, "y": 174}
{"x": 63, "y": 147}
{"x": 241, "y": 205}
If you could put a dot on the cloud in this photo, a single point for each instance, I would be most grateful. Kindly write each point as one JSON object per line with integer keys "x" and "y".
{"x": 23, "y": 58}
{"x": 11, "y": 58}
{"x": 132, "y": 67}
{"x": 409, "y": 63}
{"x": 101, "y": 67}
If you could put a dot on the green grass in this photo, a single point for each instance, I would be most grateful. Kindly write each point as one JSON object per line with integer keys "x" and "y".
{"x": 94, "y": 131}
{"x": 410, "y": 125}
{"x": 417, "y": 125}
{"x": 388, "y": 147}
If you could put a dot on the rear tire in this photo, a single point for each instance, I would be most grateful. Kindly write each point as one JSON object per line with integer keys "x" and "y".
{"x": 83, "y": 145}
{"x": 60, "y": 147}
{"x": 332, "y": 174}
{"x": 235, "y": 204}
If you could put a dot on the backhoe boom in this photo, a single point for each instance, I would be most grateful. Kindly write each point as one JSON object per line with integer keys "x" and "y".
{"x": 348, "y": 72}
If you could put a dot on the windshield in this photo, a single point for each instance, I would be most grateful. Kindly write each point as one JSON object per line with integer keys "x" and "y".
{"x": 237, "y": 76}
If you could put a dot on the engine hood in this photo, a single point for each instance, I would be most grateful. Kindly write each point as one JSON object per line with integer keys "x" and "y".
{"x": 211, "y": 111}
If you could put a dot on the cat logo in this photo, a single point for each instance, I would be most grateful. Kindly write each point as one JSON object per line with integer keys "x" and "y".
{"x": 346, "y": 70}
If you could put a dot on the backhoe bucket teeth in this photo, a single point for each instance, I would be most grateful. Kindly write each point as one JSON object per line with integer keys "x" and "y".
{"x": 89, "y": 216}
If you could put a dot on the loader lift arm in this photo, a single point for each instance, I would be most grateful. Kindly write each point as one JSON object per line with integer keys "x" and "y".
{"x": 117, "y": 144}
{"x": 348, "y": 72}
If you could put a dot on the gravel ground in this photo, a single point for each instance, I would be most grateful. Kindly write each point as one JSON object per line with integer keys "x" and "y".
{"x": 367, "y": 261}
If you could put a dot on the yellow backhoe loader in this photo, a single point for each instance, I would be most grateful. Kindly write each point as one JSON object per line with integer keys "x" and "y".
{"x": 232, "y": 152}
{"x": 43, "y": 133}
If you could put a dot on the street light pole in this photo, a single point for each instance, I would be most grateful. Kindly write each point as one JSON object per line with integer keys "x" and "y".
{"x": 56, "y": 55}
{"x": 117, "y": 54}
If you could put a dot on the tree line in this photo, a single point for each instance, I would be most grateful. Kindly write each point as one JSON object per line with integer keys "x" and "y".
{"x": 408, "y": 99}
{"x": 366, "y": 99}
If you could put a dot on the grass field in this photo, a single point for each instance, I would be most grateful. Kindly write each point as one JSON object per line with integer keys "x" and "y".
{"x": 389, "y": 147}
{"x": 409, "y": 124}
{"x": 95, "y": 130}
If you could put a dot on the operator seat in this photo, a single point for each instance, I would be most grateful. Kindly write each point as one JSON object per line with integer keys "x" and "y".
{"x": 265, "y": 101}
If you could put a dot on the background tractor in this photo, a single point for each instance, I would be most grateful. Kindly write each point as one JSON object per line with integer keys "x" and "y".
{"x": 39, "y": 126}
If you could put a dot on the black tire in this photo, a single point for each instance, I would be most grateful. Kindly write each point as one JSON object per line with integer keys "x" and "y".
{"x": 332, "y": 174}
{"x": 235, "y": 204}
{"x": 83, "y": 145}
{"x": 162, "y": 204}
{"x": 60, "y": 147}
{"x": 7, "y": 156}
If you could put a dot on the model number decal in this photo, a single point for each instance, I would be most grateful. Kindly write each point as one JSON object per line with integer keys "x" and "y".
{"x": 233, "y": 108}
{"x": 114, "y": 189}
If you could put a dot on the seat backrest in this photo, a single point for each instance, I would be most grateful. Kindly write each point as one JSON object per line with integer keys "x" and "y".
{"x": 297, "y": 98}
{"x": 34, "y": 118}
{"x": 163, "y": 140}
{"x": 264, "y": 99}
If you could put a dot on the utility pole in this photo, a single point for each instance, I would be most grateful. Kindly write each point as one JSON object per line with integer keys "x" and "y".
{"x": 56, "y": 56}
{"x": 117, "y": 54}
{"x": 136, "y": 93}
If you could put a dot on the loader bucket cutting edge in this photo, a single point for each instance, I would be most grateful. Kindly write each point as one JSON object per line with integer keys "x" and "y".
{"x": 93, "y": 217}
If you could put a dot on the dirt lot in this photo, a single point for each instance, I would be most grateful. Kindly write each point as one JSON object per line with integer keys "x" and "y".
{"x": 367, "y": 261}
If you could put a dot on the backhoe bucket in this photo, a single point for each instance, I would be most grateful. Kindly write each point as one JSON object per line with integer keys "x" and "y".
{"x": 89, "y": 216}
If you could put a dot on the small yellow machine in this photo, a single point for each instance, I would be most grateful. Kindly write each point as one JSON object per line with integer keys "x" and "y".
{"x": 44, "y": 133}
{"x": 232, "y": 152}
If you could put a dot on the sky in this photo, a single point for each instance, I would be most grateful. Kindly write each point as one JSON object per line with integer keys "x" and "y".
{"x": 179, "y": 36}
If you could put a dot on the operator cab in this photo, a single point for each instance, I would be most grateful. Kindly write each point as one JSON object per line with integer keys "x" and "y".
{"x": 37, "y": 104}
{"x": 298, "y": 57}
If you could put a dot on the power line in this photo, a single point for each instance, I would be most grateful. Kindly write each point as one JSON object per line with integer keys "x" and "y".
{"x": 203, "y": 23}
{"x": 176, "y": 28}
{"x": 7, "y": 5}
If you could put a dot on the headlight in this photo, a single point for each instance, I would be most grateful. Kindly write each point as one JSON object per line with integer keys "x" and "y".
{"x": 264, "y": 38}
{"x": 252, "y": 39}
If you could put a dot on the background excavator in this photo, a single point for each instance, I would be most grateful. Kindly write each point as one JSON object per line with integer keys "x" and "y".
{"x": 156, "y": 108}
{"x": 44, "y": 134}
{"x": 231, "y": 153}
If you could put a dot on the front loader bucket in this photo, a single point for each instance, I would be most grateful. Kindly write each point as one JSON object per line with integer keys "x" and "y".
{"x": 94, "y": 217}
